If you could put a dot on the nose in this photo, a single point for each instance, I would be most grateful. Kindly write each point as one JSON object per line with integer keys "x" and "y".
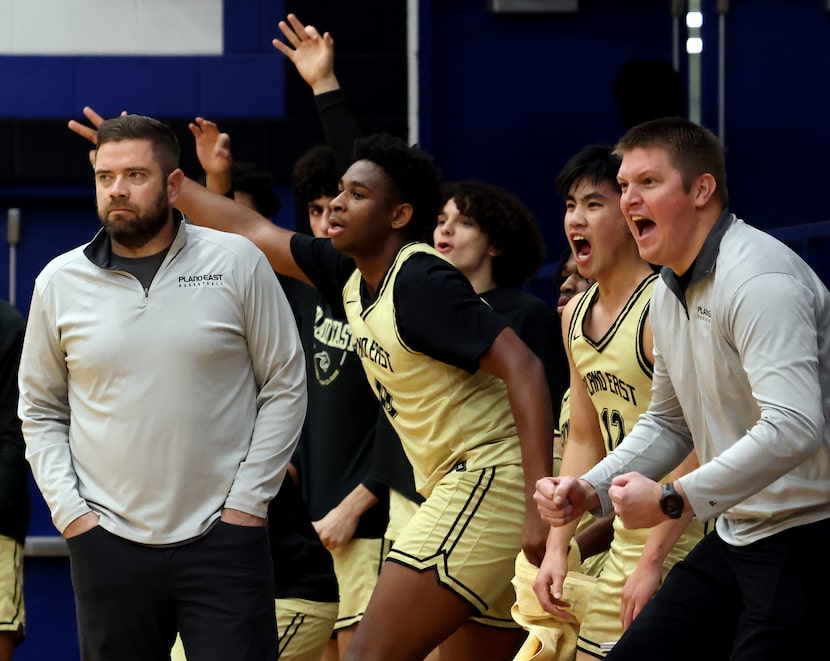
{"x": 324, "y": 218}
{"x": 336, "y": 204}
{"x": 119, "y": 187}
{"x": 629, "y": 197}
{"x": 568, "y": 286}
{"x": 574, "y": 218}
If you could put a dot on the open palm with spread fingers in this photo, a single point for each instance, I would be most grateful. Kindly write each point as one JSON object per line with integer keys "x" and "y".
{"x": 311, "y": 53}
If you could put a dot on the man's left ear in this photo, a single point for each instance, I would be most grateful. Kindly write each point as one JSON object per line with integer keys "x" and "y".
{"x": 705, "y": 189}
{"x": 174, "y": 184}
{"x": 401, "y": 216}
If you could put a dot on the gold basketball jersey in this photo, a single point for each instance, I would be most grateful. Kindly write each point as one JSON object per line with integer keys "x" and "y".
{"x": 615, "y": 370}
{"x": 444, "y": 415}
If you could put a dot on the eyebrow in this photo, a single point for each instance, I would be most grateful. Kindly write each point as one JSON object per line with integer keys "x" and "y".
{"x": 135, "y": 168}
{"x": 648, "y": 172}
{"x": 593, "y": 195}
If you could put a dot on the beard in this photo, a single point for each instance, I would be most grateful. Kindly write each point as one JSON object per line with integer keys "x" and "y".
{"x": 136, "y": 232}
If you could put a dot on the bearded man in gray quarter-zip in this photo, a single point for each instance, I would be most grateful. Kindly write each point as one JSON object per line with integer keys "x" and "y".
{"x": 162, "y": 392}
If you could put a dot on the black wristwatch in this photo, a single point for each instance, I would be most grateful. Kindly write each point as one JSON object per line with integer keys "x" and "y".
{"x": 672, "y": 502}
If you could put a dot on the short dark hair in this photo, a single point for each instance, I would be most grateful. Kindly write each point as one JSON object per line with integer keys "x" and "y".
{"x": 259, "y": 184}
{"x": 139, "y": 127}
{"x": 413, "y": 173}
{"x": 692, "y": 149}
{"x": 594, "y": 163}
{"x": 508, "y": 223}
{"x": 315, "y": 175}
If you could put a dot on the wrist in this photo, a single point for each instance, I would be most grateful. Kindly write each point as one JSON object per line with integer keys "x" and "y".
{"x": 591, "y": 501}
{"x": 325, "y": 84}
{"x": 357, "y": 502}
{"x": 240, "y": 518}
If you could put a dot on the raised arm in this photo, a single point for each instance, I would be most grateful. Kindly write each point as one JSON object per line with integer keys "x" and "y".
{"x": 311, "y": 53}
{"x": 206, "y": 208}
{"x": 313, "y": 56}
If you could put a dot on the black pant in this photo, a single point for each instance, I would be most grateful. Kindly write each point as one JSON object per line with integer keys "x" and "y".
{"x": 751, "y": 603}
{"x": 218, "y": 591}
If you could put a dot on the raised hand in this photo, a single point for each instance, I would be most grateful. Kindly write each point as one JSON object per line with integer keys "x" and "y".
{"x": 213, "y": 149}
{"x": 88, "y": 132}
{"x": 311, "y": 53}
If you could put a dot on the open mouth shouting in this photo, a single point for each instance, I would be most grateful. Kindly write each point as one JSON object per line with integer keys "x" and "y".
{"x": 581, "y": 247}
{"x": 641, "y": 226}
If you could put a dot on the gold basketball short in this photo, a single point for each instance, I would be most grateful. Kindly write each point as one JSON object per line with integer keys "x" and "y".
{"x": 357, "y": 565}
{"x": 469, "y": 530}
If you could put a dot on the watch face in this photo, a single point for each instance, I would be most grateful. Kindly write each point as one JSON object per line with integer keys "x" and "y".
{"x": 671, "y": 503}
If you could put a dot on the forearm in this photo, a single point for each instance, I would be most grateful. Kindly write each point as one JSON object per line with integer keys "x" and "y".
{"x": 278, "y": 365}
{"x": 356, "y": 502}
{"x": 45, "y": 415}
{"x": 339, "y": 125}
{"x": 53, "y": 472}
{"x": 218, "y": 182}
{"x": 662, "y": 538}
{"x": 530, "y": 403}
{"x": 650, "y": 450}
{"x": 762, "y": 456}
{"x": 559, "y": 537}
{"x": 206, "y": 208}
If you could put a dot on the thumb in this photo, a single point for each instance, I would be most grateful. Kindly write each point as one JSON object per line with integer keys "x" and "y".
{"x": 557, "y": 585}
{"x": 563, "y": 492}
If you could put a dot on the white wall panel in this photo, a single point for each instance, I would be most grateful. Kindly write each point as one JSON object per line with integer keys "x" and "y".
{"x": 111, "y": 27}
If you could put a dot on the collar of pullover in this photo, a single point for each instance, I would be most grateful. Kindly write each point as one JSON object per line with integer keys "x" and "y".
{"x": 704, "y": 263}
{"x": 99, "y": 250}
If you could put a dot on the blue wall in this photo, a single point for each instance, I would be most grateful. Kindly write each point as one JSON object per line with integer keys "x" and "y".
{"x": 511, "y": 97}
{"x": 777, "y": 104}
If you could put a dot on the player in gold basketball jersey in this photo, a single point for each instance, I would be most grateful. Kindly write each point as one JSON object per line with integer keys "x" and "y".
{"x": 468, "y": 399}
{"x": 608, "y": 340}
